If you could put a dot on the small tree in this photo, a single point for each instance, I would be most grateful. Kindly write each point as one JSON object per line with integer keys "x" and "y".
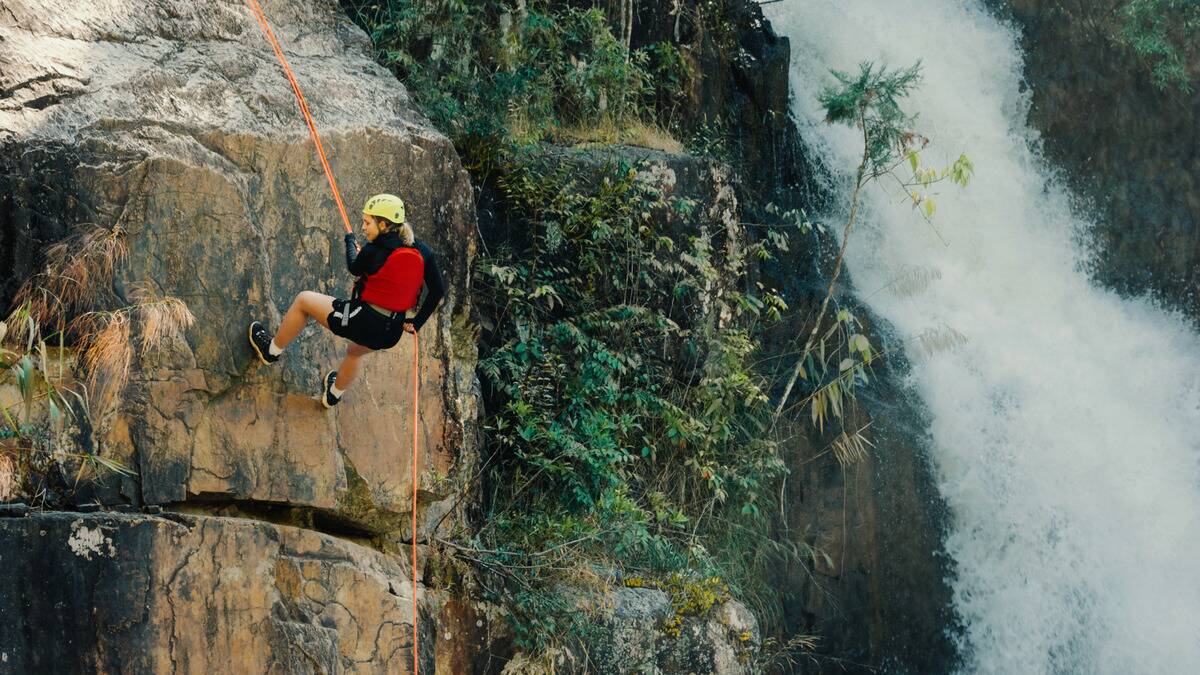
{"x": 869, "y": 101}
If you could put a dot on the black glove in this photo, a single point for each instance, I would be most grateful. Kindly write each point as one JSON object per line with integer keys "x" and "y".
{"x": 351, "y": 251}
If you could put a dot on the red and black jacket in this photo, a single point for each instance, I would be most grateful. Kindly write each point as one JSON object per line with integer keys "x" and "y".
{"x": 391, "y": 275}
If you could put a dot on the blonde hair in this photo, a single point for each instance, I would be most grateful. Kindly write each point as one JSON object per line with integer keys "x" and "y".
{"x": 406, "y": 234}
{"x": 403, "y": 229}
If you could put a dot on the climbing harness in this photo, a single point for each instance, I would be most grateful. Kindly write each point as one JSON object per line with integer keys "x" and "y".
{"x": 345, "y": 314}
{"x": 416, "y": 385}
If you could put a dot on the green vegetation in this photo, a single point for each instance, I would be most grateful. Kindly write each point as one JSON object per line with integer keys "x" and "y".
{"x": 489, "y": 73}
{"x": 631, "y": 424}
{"x": 1165, "y": 34}
{"x": 32, "y": 424}
{"x": 37, "y": 428}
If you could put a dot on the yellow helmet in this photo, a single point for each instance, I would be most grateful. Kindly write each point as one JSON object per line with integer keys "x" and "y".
{"x": 386, "y": 206}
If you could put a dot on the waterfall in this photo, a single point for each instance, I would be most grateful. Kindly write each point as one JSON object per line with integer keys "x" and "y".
{"x": 1066, "y": 422}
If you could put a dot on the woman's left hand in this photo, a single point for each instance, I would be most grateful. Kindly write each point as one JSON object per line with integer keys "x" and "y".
{"x": 409, "y": 328}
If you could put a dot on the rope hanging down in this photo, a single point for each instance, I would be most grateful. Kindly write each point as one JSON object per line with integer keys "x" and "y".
{"x": 312, "y": 130}
{"x": 413, "y": 470}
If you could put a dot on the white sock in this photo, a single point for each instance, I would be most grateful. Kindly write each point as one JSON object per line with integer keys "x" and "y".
{"x": 337, "y": 393}
{"x": 275, "y": 349}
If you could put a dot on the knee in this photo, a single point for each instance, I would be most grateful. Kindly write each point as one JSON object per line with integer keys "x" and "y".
{"x": 303, "y": 299}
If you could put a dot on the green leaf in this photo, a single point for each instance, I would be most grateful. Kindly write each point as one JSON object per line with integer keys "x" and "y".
{"x": 860, "y": 343}
{"x": 962, "y": 170}
{"x": 12, "y": 423}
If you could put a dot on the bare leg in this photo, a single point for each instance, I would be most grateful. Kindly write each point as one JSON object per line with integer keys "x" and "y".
{"x": 307, "y": 304}
{"x": 348, "y": 369}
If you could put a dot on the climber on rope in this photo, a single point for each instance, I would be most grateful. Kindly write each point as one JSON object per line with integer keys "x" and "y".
{"x": 391, "y": 269}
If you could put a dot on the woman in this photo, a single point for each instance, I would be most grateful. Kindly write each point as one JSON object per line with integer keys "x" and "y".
{"x": 391, "y": 270}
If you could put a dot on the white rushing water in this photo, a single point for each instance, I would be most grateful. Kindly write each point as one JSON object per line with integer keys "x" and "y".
{"x": 1066, "y": 427}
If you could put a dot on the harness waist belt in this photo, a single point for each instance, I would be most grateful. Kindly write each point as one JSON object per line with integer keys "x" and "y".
{"x": 386, "y": 312}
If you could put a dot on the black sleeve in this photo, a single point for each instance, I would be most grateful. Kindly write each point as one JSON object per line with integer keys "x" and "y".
{"x": 435, "y": 287}
{"x": 356, "y": 260}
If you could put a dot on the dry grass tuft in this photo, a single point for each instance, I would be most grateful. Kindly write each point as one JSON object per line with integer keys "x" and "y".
{"x": 10, "y": 482}
{"x": 525, "y": 664}
{"x": 162, "y": 318}
{"x": 68, "y": 300}
{"x": 635, "y": 133}
{"x": 850, "y": 448}
{"x": 796, "y": 650}
{"x": 79, "y": 270}
{"x": 107, "y": 344}
{"x": 107, "y": 349}
{"x": 78, "y": 276}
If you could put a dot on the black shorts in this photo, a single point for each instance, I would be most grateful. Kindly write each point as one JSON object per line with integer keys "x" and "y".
{"x": 365, "y": 326}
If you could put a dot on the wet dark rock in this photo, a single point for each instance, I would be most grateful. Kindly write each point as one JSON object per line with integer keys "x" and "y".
{"x": 14, "y": 510}
{"x": 133, "y": 593}
{"x": 1129, "y": 149}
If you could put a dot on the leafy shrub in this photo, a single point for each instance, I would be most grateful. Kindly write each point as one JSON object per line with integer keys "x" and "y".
{"x": 487, "y": 73}
{"x": 1164, "y": 33}
{"x": 629, "y": 421}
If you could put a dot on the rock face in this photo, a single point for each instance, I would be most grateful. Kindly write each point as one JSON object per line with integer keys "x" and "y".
{"x": 740, "y": 94}
{"x": 1129, "y": 148}
{"x": 632, "y": 641}
{"x": 123, "y": 593}
{"x": 873, "y": 586}
{"x": 185, "y": 594}
{"x": 173, "y": 122}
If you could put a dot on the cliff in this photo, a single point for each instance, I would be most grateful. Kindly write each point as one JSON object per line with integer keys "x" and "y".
{"x": 274, "y": 530}
{"x": 169, "y": 127}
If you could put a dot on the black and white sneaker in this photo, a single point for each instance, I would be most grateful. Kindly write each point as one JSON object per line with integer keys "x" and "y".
{"x": 327, "y": 398}
{"x": 260, "y": 340}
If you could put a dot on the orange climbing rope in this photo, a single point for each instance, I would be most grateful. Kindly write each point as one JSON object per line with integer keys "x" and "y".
{"x": 312, "y": 128}
{"x": 413, "y": 470}
{"x": 337, "y": 196}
